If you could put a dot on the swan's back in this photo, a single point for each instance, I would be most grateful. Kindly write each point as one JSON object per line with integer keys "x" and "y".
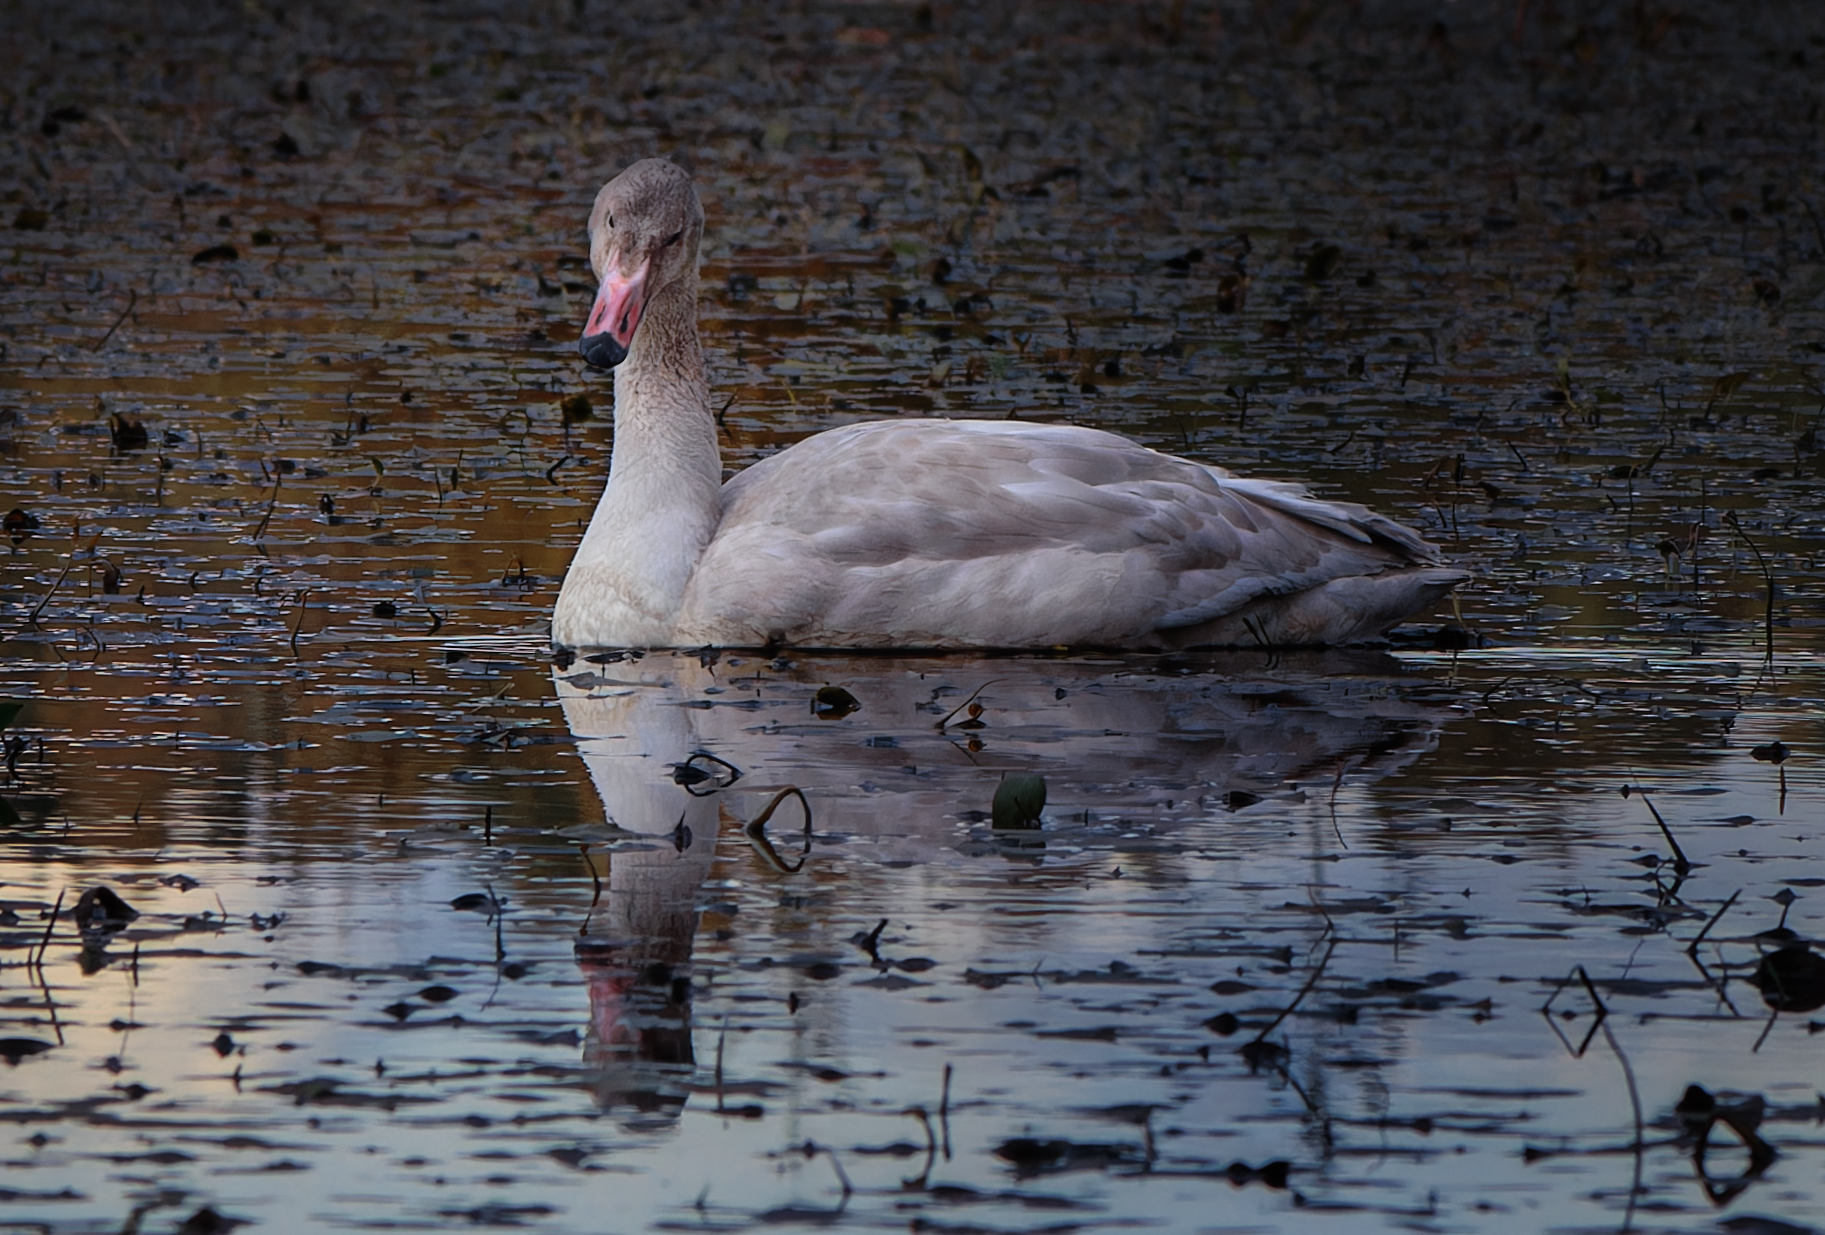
{"x": 932, "y": 533}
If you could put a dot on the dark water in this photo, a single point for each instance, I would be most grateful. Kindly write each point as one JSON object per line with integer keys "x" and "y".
{"x": 430, "y": 935}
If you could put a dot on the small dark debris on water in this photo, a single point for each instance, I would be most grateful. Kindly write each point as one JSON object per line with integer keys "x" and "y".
{"x": 481, "y": 901}
{"x": 127, "y": 432}
{"x": 833, "y": 703}
{"x": 575, "y": 408}
{"x": 19, "y": 524}
{"x": 222, "y": 1044}
{"x": 30, "y": 219}
{"x": 1772, "y": 752}
{"x": 1030, "y": 1156}
{"x": 216, "y": 253}
{"x": 1323, "y": 263}
{"x": 1792, "y": 979}
{"x": 437, "y": 994}
{"x": 13, "y": 1050}
{"x": 100, "y": 910}
{"x": 385, "y": 609}
{"x": 207, "y": 1221}
{"x": 1182, "y": 264}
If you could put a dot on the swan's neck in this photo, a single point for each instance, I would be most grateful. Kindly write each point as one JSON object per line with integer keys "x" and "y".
{"x": 627, "y": 581}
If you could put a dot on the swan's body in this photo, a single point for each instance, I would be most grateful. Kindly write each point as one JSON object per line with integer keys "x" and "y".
{"x": 930, "y": 533}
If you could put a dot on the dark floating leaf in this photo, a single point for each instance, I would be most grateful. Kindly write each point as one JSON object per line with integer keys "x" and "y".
{"x": 284, "y": 146}
{"x": 1029, "y": 1155}
{"x": 1223, "y": 1024}
{"x": 1772, "y": 752}
{"x": 100, "y": 910}
{"x": 1323, "y": 263}
{"x": 127, "y": 433}
{"x": 1792, "y": 979}
{"x": 1236, "y": 799}
{"x": 833, "y": 703}
{"x": 575, "y": 408}
{"x": 15, "y": 1049}
{"x": 207, "y": 1221}
{"x": 30, "y": 219}
{"x": 1181, "y": 265}
{"x": 1273, "y": 1174}
{"x": 437, "y": 994}
{"x": 476, "y": 901}
{"x": 222, "y": 1044}
{"x": 1019, "y": 799}
{"x": 216, "y": 253}
{"x": 20, "y": 523}
{"x": 399, "y": 1011}
{"x": 385, "y": 609}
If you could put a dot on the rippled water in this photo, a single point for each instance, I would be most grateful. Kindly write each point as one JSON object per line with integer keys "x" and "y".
{"x": 432, "y": 933}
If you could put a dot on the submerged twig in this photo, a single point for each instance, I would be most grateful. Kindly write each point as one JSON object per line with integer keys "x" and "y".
{"x": 1767, "y": 578}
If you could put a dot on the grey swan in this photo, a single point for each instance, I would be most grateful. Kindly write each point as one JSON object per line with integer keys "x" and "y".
{"x": 930, "y": 533}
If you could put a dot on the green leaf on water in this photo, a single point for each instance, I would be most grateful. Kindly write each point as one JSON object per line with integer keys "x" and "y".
{"x": 1018, "y": 801}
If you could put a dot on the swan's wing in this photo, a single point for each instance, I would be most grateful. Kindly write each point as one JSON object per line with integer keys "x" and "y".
{"x": 974, "y": 533}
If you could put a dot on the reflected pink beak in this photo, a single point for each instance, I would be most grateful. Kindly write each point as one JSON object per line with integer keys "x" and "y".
{"x": 614, "y": 318}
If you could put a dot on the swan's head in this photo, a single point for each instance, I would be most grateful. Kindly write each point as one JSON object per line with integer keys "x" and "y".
{"x": 643, "y": 234}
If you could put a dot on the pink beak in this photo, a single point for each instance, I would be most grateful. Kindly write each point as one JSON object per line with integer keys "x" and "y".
{"x": 615, "y": 317}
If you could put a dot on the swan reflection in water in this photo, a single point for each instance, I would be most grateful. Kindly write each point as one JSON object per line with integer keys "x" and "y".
{"x": 908, "y": 752}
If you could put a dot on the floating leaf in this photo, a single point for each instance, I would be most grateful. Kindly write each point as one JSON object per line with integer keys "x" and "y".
{"x": 15, "y": 1049}
{"x": 1792, "y": 979}
{"x": 1018, "y": 801}
{"x": 9, "y": 708}
{"x": 1323, "y": 263}
{"x": 833, "y": 703}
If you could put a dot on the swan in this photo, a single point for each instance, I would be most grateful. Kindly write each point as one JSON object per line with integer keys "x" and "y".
{"x": 929, "y": 533}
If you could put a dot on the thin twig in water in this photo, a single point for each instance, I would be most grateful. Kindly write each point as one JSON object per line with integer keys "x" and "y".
{"x": 1721, "y": 911}
{"x": 45, "y": 942}
{"x": 132, "y": 299}
{"x": 947, "y": 716}
{"x": 61, "y": 576}
{"x": 303, "y": 604}
{"x": 1680, "y": 862}
{"x": 1303, "y": 992}
{"x": 1767, "y": 578}
{"x": 271, "y": 505}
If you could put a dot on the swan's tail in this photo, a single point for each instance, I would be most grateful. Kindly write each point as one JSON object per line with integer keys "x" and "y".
{"x": 1353, "y": 609}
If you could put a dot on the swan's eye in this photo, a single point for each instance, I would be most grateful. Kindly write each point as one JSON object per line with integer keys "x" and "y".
{"x": 675, "y": 238}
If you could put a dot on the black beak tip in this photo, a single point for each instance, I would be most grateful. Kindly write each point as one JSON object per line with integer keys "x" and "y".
{"x": 600, "y": 351}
